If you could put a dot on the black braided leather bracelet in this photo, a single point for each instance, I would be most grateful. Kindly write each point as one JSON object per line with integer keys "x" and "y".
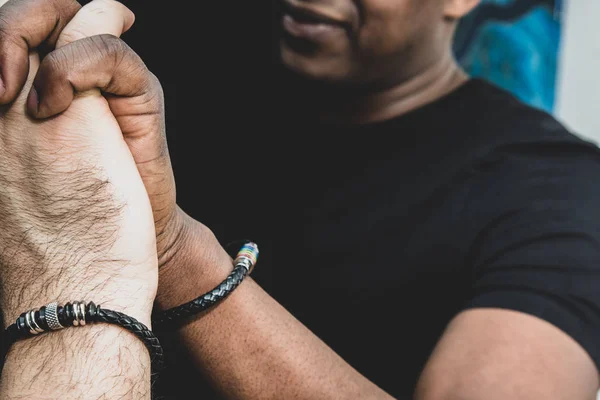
{"x": 54, "y": 317}
{"x": 244, "y": 263}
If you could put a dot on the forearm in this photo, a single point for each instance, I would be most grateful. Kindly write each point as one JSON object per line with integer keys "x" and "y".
{"x": 250, "y": 347}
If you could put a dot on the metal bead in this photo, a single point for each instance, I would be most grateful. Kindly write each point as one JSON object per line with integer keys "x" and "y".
{"x": 34, "y": 323}
{"x": 247, "y": 256}
{"x": 75, "y": 313}
{"x": 82, "y": 313}
{"x": 29, "y": 324}
{"x": 52, "y": 317}
{"x": 244, "y": 262}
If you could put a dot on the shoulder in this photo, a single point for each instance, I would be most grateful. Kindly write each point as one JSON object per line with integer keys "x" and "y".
{"x": 515, "y": 146}
{"x": 502, "y": 120}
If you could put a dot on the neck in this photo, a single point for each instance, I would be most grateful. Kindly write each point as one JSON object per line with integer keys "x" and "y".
{"x": 432, "y": 83}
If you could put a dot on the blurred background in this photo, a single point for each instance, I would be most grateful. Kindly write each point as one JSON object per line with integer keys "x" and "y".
{"x": 546, "y": 52}
{"x": 515, "y": 44}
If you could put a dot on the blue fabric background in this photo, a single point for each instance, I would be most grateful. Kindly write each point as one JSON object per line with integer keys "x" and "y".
{"x": 514, "y": 44}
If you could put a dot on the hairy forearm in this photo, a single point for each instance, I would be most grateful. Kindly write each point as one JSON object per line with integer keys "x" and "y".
{"x": 91, "y": 362}
{"x": 95, "y": 361}
{"x": 250, "y": 347}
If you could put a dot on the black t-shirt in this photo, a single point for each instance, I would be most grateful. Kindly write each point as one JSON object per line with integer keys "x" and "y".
{"x": 376, "y": 236}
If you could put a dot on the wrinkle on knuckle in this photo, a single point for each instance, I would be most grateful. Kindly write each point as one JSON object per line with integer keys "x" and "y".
{"x": 107, "y": 44}
{"x": 73, "y": 34}
{"x": 103, "y": 49}
{"x": 117, "y": 56}
{"x": 150, "y": 96}
{"x": 65, "y": 7}
{"x": 119, "y": 51}
{"x": 156, "y": 93}
{"x": 10, "y": 34}
{"x": 155, "y": 84}
{"x": 55, "y": 66}
{"x": 148, "y": 83}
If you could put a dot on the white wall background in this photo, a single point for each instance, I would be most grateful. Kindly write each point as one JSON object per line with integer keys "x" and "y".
{"x": 578, "y": 98}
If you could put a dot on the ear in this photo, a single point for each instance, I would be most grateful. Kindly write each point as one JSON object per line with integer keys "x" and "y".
{"x": 456, "y": 9}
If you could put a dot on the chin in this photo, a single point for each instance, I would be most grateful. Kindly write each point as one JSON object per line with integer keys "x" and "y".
{"x": 314, "y": 68}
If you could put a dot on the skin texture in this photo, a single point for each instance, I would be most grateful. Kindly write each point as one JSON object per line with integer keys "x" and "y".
{"x": 249, "y": 347}
{"x": 73, "y": 201}
{"x": 499, "y": 354}
{"x": 368, "y": 51}
{"x": 136, "y": 101}
{"x": 78, "y": 220}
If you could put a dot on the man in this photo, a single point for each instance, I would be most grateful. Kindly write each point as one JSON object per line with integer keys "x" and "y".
{"x": 486, "y": 210}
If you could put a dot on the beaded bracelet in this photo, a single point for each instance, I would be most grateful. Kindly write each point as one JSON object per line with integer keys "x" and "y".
{"x": 54, "y": 317}
{"x": 244, "y": 264}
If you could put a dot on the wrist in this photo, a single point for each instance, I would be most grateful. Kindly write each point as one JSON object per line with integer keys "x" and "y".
{"x": 198, "y": 264}
{"x": 132, "y": 296}
{"x": 171, "y": 240}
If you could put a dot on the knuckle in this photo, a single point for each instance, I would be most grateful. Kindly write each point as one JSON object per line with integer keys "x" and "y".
{"x": 155, "y": 85}
{"x": 55, "y": 66}
{"x": 151, "y": 92}
{"x": 108, "y": 45}
{"x": 71, "y": 35}
{"x": 66, "y": 7}
{"x": 8, "y": 31}
{"x": 5, "y": 21}
{"x": 18, "y": 18}
{"x": 148, "y": 83}
{"x": 114, "y": 49}
{"x": 61, "y": 4}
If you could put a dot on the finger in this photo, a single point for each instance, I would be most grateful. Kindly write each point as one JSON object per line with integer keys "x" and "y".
{"x": 24, "y": 26}
{"x": 97, "y": 18}
{"x": 134, "y": 95}
{"x": 99, "y": 62}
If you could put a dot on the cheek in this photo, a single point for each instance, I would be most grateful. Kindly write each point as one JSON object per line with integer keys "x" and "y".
{"x": 391, "y": 25}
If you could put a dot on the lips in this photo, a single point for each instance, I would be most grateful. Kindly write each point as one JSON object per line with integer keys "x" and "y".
{"x": 309, "y": 16}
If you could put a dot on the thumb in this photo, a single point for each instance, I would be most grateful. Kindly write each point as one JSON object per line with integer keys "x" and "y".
{"x": 100, "y": 17}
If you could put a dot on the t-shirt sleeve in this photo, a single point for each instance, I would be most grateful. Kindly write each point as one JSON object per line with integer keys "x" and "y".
{"x": 536, "y": 246}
